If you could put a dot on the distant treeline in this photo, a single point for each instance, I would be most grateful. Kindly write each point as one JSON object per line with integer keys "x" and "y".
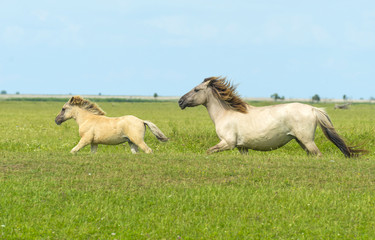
{"x": 92, "y": 99}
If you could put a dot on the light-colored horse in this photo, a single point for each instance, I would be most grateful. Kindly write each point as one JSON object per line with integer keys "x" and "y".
{"x": 260, "y": 128}
{"x": 95, "y": 128}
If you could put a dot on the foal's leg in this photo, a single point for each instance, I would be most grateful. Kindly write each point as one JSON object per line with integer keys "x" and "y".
{"x": 221, "y": 146}
{"x": 139, "y": 142}
{"x": 142, "y": 145}
{"x": 82, "y": 143}
{"x": 94, "y": 147}
{"x": 133, "y": 147}
{"x": 136, "y": 136}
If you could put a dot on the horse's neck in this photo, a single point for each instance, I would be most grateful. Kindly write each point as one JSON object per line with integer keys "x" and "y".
{"x": 216, "y": 108}
{"x": 81, "y": 115}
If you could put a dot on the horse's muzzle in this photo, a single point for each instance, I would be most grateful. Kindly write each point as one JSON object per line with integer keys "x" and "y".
{"x": 58, "y": 120}
{"x": 182, "y": 103}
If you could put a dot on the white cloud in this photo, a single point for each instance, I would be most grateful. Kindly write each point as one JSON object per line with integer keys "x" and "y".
{"x": 360, "y": 36}
{"x": 41, "y": 15}
{"x": 13, "y": 34}
{"x": 174, "y": 25}
{"x": 183, "y": 30}
{"x": 299, "y": 30}
{"x": 320, "y": 34}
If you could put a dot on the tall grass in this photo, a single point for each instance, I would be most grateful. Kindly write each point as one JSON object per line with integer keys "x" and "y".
{"x": 179, "y": 192}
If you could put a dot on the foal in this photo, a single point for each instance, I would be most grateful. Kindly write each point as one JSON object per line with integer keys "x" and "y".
{"x": 95, "y": 128}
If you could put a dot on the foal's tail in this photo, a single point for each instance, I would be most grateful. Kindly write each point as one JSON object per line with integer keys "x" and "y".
{"x": 156, "y": 131}
{"x": 330, "y": 132}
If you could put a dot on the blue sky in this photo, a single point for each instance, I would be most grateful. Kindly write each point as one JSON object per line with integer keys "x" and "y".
{"x": 293, "y": 48}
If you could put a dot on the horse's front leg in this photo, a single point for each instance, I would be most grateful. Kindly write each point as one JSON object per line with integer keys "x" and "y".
{"x": 221, "y": 146}
{"x": 82, "y": 143}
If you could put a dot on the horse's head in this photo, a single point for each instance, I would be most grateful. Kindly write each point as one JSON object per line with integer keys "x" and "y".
{"x": 69, "y": 110}
{"x": 197, "y": 96}
{"x": 66, "y": 112}
{"x": 217, "y": 87}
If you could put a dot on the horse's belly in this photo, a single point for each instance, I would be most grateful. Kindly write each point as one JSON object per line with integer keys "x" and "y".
{"x": 265, "y": 143}
{"x": 111, "y": 140}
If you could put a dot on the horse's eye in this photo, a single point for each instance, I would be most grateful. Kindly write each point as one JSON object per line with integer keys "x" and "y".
{"x": 196, "y": 90}
{"x": 63, "y": 109}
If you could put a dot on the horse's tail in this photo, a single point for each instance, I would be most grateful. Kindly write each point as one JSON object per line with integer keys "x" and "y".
{"x": 156, "y": 131}
{"x": 330, "y": 132}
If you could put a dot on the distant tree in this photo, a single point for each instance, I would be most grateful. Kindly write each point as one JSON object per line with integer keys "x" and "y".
{"x": 100, "y": 94}
{"x": 156, "y": 95}
{"x": 344, "y": 97}
{"x": 3, "y": 92}
{"x": 18, "y": 93}
{"x": 316, "y": 98}
{"x": 276, "y": 97}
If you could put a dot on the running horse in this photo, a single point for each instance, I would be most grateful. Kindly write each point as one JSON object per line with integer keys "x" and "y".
{"x": 96, "y": 128}
{"x": 241, "y": 125}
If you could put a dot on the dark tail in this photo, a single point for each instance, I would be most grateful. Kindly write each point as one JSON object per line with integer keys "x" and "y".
{"x": 330, "y": 132}
{"x": 156, "y": 131}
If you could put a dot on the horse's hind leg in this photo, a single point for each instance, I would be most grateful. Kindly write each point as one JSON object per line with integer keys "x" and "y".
{"x": 313, "y": 149}
{"x": 221, "y": 146}
{"x": 310, "y": 147}
{"x": 243, "y": 150}
{"x": 136, "y": 136}
{"x": 139, "y": 142}
{"x": 302, "y": 146}
{"x": 142, "y": 145}
{"x": 94, "y": 147}
{"x": 133, "y": 147}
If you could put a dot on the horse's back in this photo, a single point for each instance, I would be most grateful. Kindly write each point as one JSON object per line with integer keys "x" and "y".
{"x": 130, "y": 120}
{"x": 270, "y": 127}
{"x": 102, "y": 121}
{"x": 287, "y": 113}
{"x": 294, "y": 115}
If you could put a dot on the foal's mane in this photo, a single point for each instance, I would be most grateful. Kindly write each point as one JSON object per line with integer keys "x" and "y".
{"x": 225, "y": 91}
{"x": 86, "y": 104}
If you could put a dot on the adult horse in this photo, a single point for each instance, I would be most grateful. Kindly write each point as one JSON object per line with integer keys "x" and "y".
{"x": 95, "y": 128}
{"x": 260, "y": 128}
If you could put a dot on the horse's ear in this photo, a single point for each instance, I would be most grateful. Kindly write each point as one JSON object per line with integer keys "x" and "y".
{"x": 211, "y": 80}
{"x": 75, "y": 100}
{"x": 71, "y": 100}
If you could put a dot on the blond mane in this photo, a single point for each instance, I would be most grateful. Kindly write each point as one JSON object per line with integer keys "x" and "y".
{"x": 86, "y": 104}
{"x": 226, "y": 92}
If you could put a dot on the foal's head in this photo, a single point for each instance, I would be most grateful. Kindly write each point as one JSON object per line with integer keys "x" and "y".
{"x": 67, "y": 112}
{"x": 220, "y": 88}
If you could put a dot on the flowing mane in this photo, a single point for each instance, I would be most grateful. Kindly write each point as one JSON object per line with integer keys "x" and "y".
{"x": 86, "y": 104}
{"x": 225, "y": 91}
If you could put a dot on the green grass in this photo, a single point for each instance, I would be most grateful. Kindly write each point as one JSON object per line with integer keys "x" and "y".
{"x": 179, "y": 192}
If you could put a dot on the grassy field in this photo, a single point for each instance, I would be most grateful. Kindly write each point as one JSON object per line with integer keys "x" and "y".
{"x": 179, "y": 192}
